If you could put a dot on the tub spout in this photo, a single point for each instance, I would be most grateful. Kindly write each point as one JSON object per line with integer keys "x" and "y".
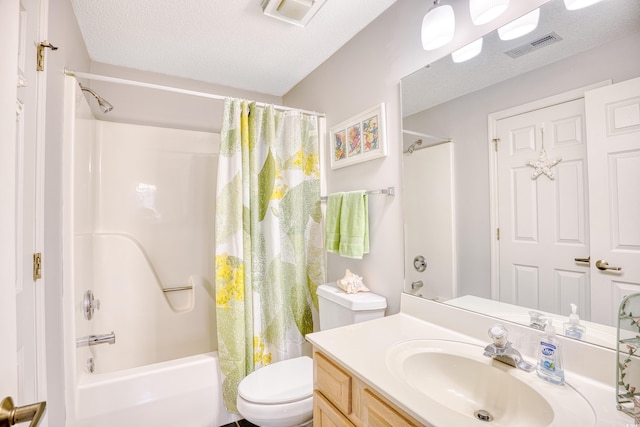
{"x": 96, "y": 339}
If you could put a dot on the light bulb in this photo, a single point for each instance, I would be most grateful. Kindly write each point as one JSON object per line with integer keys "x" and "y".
{"x": 438, "y": 27}
{"x": 467, "y": 52}
{"x": 521, "y": 26}
{"x": 483, "y": 11}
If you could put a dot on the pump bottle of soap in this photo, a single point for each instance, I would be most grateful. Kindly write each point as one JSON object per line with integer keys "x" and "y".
{"x": 549, "y": 356}
{"x": 573, "y": 328}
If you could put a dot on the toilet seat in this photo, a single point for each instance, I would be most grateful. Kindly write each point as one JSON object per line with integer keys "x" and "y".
{"x": 282, "y": 382}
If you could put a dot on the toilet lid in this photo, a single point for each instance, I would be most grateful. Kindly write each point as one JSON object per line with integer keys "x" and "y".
{"x": 281, "y": 382}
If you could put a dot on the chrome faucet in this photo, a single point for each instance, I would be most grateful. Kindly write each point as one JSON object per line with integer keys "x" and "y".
{"x": 96, "y": 339}
{"x": 502, "y": 351}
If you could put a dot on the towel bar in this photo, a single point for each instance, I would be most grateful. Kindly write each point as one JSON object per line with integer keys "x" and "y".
{"x": 390, "y": 191}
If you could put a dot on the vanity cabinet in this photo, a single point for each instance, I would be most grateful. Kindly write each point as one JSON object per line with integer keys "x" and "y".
{"x": 342, "y": 400}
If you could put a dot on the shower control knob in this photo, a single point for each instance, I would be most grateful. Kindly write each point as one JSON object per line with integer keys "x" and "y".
{"x": 419, "y": 263}
{"x": 90, "y": 304}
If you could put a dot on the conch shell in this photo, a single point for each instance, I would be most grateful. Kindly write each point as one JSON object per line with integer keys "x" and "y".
{"x": 352, "y": 283}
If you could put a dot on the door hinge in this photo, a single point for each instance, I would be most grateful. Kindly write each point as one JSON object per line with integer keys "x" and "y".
{"x": 495, "y": 143}
{"x": 40, "y": 54}
{"x": 37, "y": 266}
{"x": 497, "y": 234}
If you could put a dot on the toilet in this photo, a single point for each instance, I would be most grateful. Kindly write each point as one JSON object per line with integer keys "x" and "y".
{"x": 281, "y": 394}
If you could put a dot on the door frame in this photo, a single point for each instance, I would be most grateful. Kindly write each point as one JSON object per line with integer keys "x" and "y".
{"x": 492, "y": 119}
{"x": 11, "y": 198}
{"x": 40, "y": 303}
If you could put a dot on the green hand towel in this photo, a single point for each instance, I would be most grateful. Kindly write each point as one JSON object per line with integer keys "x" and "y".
{"x": 332, "y": 222}
{"x": 354, "y": 225}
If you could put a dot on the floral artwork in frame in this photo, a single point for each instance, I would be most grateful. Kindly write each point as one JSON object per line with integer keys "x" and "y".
{"x": 359, "y": 138}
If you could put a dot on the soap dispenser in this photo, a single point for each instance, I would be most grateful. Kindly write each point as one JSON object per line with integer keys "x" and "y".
{"x": 573, "y": 328}
{"x": 549, "y": 356}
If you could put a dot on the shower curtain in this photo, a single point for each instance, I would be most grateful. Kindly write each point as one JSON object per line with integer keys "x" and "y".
{"x": 269, "y": 252}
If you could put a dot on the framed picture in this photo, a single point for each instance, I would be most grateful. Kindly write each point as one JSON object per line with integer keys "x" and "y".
{"x": 359, "y": 139}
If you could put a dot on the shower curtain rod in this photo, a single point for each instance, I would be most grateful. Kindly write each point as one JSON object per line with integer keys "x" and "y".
{"x": 97, "y": 77}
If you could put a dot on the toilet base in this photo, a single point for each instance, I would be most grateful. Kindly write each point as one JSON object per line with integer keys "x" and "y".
{"x": 293, "y": 414}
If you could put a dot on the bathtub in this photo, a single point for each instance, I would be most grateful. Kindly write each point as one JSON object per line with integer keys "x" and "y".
{"x": 181, "y": 392}
{"x": 138, "y": 233}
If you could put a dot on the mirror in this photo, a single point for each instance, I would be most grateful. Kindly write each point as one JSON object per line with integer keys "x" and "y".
{"x": 445, "y": 100}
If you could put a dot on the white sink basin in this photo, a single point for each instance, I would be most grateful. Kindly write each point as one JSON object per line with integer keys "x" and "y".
{"x": 471, "y": 386}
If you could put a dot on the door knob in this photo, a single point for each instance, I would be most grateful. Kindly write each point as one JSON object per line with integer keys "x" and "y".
{"x": 604, "y": 265}
{"x": 587, "y": 260}
{"x": 11, "y": 415}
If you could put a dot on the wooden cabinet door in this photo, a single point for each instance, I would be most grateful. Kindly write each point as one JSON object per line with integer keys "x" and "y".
{"x": 377, "y": 413}
{"x": 326, "y": 415}
{"x": 333, "y": 382}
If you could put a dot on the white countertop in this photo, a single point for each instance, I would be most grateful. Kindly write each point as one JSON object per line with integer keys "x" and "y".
{"x": 362, "y": 349}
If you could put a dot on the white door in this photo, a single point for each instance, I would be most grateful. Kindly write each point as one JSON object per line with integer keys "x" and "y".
{"x": 613, "y": 132}
{"x": 25, "y": 154}
{"x": 543, "y": 222}
{"x": 8, "y": 43}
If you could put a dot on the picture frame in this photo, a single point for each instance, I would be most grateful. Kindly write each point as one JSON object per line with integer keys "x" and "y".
{"x": 359, "y": 139}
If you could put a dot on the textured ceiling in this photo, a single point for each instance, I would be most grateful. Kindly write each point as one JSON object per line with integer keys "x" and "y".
{"x": 227, "y": 42}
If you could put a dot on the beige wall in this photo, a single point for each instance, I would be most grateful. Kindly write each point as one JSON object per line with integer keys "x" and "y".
{"x": 365, "y": 72}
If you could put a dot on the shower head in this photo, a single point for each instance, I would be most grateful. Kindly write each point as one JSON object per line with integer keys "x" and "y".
{"x": 105, "y": 106}
{"x": 414, "y": 145}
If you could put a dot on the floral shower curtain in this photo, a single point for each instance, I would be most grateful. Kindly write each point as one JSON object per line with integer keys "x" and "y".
{"x": 269, "y": 256}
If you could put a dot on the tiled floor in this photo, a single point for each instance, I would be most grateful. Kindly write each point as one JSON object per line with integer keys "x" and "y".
{"x": 241, "y": 423}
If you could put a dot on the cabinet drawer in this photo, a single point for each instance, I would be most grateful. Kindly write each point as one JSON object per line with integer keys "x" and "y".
{"x": 377, "y": 413}
{"x": 333, "y": 382}
{"x": 326, "y": 415}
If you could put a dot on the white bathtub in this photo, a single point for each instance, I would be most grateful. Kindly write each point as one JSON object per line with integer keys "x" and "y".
{"x": 181, "y": 392}
{"x": 138, "y": 233}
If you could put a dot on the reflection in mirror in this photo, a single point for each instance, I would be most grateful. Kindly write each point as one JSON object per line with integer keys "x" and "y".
{"x": 570, "y": 52}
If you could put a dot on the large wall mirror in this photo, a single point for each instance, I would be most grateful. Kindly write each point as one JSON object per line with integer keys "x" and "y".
{"x": 465, "y": 126}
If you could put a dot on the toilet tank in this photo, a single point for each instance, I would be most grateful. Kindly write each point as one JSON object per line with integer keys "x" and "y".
{"x": 338, "y": 308}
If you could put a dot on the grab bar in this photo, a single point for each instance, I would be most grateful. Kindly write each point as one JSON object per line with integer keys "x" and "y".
{"x": 96, "y": 339}
{"x": 177, "y": 288}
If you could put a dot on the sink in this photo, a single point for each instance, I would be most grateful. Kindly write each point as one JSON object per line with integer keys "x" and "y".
{"x": 467, "y": 385}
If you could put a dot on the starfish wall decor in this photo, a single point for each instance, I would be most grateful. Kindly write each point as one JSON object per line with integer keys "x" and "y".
{"x": 543, "y": 165}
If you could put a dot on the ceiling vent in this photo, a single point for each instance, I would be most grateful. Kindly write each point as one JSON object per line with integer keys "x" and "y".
{"x": 534, "y": 45}
{"x": 298, "y": 12}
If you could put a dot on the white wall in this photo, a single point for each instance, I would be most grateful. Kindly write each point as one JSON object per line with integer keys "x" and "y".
{"x": 465, "y": 120}
{"x": 158, "y": 108}
{"x": 367, "y": 71}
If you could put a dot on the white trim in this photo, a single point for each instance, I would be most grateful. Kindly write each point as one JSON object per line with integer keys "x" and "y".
{"x": 97, "y": 77}
{"x": 493, "y": 165}
{"x": 69, "y": 334}
{"x": 39, "y": 217}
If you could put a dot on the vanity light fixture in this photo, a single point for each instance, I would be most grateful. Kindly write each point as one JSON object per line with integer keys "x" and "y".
{"x": 438, "y": 26}
{"x": 578, "y": 4}
{"x": 483, "y": 11}
{"x": 521, "y": 26}
{"x": 467, "y": 52}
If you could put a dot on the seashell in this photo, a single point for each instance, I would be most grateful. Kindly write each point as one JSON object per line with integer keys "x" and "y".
{"x": 352, "y": 283}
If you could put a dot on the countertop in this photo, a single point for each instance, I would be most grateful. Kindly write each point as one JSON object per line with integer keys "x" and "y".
{"x": 362, "y": 349}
